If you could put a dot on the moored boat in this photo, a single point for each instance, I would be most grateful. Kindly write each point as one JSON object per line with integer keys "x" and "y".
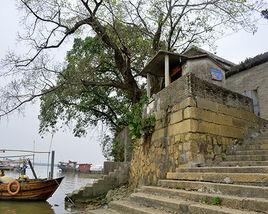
{"x": 70, "y": 166}
{"x": 29, "y": 190}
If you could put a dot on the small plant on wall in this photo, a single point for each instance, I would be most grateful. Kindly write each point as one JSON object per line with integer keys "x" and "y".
{"x": 216, "y": 201}
{"x": 140, "y": 126}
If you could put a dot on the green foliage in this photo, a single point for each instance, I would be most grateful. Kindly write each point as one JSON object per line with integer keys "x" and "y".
{"x": 216, "y": 201}
{"x": 138, "y": 125}
{"x": 81, "y": 106}
{"x": 117, "y": 151}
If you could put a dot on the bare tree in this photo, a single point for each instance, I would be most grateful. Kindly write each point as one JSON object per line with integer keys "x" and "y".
{"x": 167, "y": 24}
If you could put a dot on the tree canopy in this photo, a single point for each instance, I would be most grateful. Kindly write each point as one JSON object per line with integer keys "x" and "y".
{"x": 100, "y": 80}
{"x": 265, "y": 13}
{"x": 91, "y": 90}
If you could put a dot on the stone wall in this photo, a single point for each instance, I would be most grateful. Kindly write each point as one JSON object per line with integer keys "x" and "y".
{"x": 255, "y": 78}
{"x": 201, "y": 68}
{"x": 192, "y": 86}
{"x": 124, "y": 138}
{"x": 195, "y": 129}
{"x": 110, "y": 166}
{"x": 116, "y": 178}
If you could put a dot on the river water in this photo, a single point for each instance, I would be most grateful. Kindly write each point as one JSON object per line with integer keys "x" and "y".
{"x": 55, "y": 204}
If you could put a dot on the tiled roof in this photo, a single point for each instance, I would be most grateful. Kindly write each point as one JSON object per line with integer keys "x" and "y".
{"x": 248, "y": 63}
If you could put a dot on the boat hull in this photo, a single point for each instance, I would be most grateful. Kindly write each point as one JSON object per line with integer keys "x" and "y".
{"x": 32, "y": 190}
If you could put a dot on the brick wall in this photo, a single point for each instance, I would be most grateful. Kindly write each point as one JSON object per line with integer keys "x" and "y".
{"x": 255, "y": 78}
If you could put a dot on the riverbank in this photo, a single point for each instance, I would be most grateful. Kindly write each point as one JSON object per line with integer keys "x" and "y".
{"x": 122, "y": 192}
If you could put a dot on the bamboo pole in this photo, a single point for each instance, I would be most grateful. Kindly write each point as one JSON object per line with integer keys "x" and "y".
{"x": 31, "y": 166}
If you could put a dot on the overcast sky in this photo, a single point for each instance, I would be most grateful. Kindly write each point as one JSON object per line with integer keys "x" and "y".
{"x": 19, "y": 132}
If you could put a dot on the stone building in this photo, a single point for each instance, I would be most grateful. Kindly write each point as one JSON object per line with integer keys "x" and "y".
{"x": 251, "y": 79}
{"x": 166, "y": 67}
{"x": 204, "y": 100}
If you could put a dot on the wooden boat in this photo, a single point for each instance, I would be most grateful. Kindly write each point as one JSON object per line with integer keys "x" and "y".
{"x": 30, "y": 190}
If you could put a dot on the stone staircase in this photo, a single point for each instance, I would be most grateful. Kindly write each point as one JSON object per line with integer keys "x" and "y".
{"x": 237, "y": 185}
{"x": 100, "y": 187}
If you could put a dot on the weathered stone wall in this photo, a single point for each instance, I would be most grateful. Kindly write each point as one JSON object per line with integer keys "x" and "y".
{"x": 192, "y": 86}
{"x": 255, "y": 78}
{"x": 116, "y": 178}
{"x": 110, "y": 166}
{"x": 124, "y": 138}
{"x": 196, "y": 130}
{"x": 201, "y": 68}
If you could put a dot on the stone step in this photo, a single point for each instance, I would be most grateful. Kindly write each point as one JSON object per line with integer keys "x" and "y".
{"x": 167, "y": 204}
{"x": 252, "y": 152}
{"x": 131, "y": 207}
{"x": 176, "y": 205}
{"x": 257, "y": 146}
{"x": 102, "y": 211}
{"x": 235, "y": 178}
{"x": 243, "y": 163}
{"x": 225, "y": 189}
{"x": 246, "y": 158}
{"x": 208, "y": 209}
{"x": 244, "y": 169}
{"x": 232, "y": 202}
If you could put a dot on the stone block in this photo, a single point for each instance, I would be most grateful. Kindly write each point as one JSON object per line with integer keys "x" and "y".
{"x": 185, "y": 126}
{"x": 177, "y": 138}
{"x": 207, "y": 104}
{"x": 207, "y": 115}
{"x": 188, "y": 102}
{"x": 158, "y": 134}
{"x": 176, "y": 117}
{"x": 206, "y": 127}
{"x": 222, "y": 119}
{"x": 159, "y": 124}
{"x": 225, "y": 110}
{"x": 186, "y": 146}
{"x": 160, "y": 115}
{"x": 232, "y": 132}
{"x": 190, "y": 112}
{"x": 239, "y": 123}
{"x": 249, "y": 116}
{"x": 237, "y": 113}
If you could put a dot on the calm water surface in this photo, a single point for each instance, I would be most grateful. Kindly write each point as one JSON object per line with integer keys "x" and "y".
{"x": 55, "y": 204}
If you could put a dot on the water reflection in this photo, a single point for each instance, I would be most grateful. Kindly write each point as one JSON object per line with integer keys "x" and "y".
{"x": 16, "y": 207}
